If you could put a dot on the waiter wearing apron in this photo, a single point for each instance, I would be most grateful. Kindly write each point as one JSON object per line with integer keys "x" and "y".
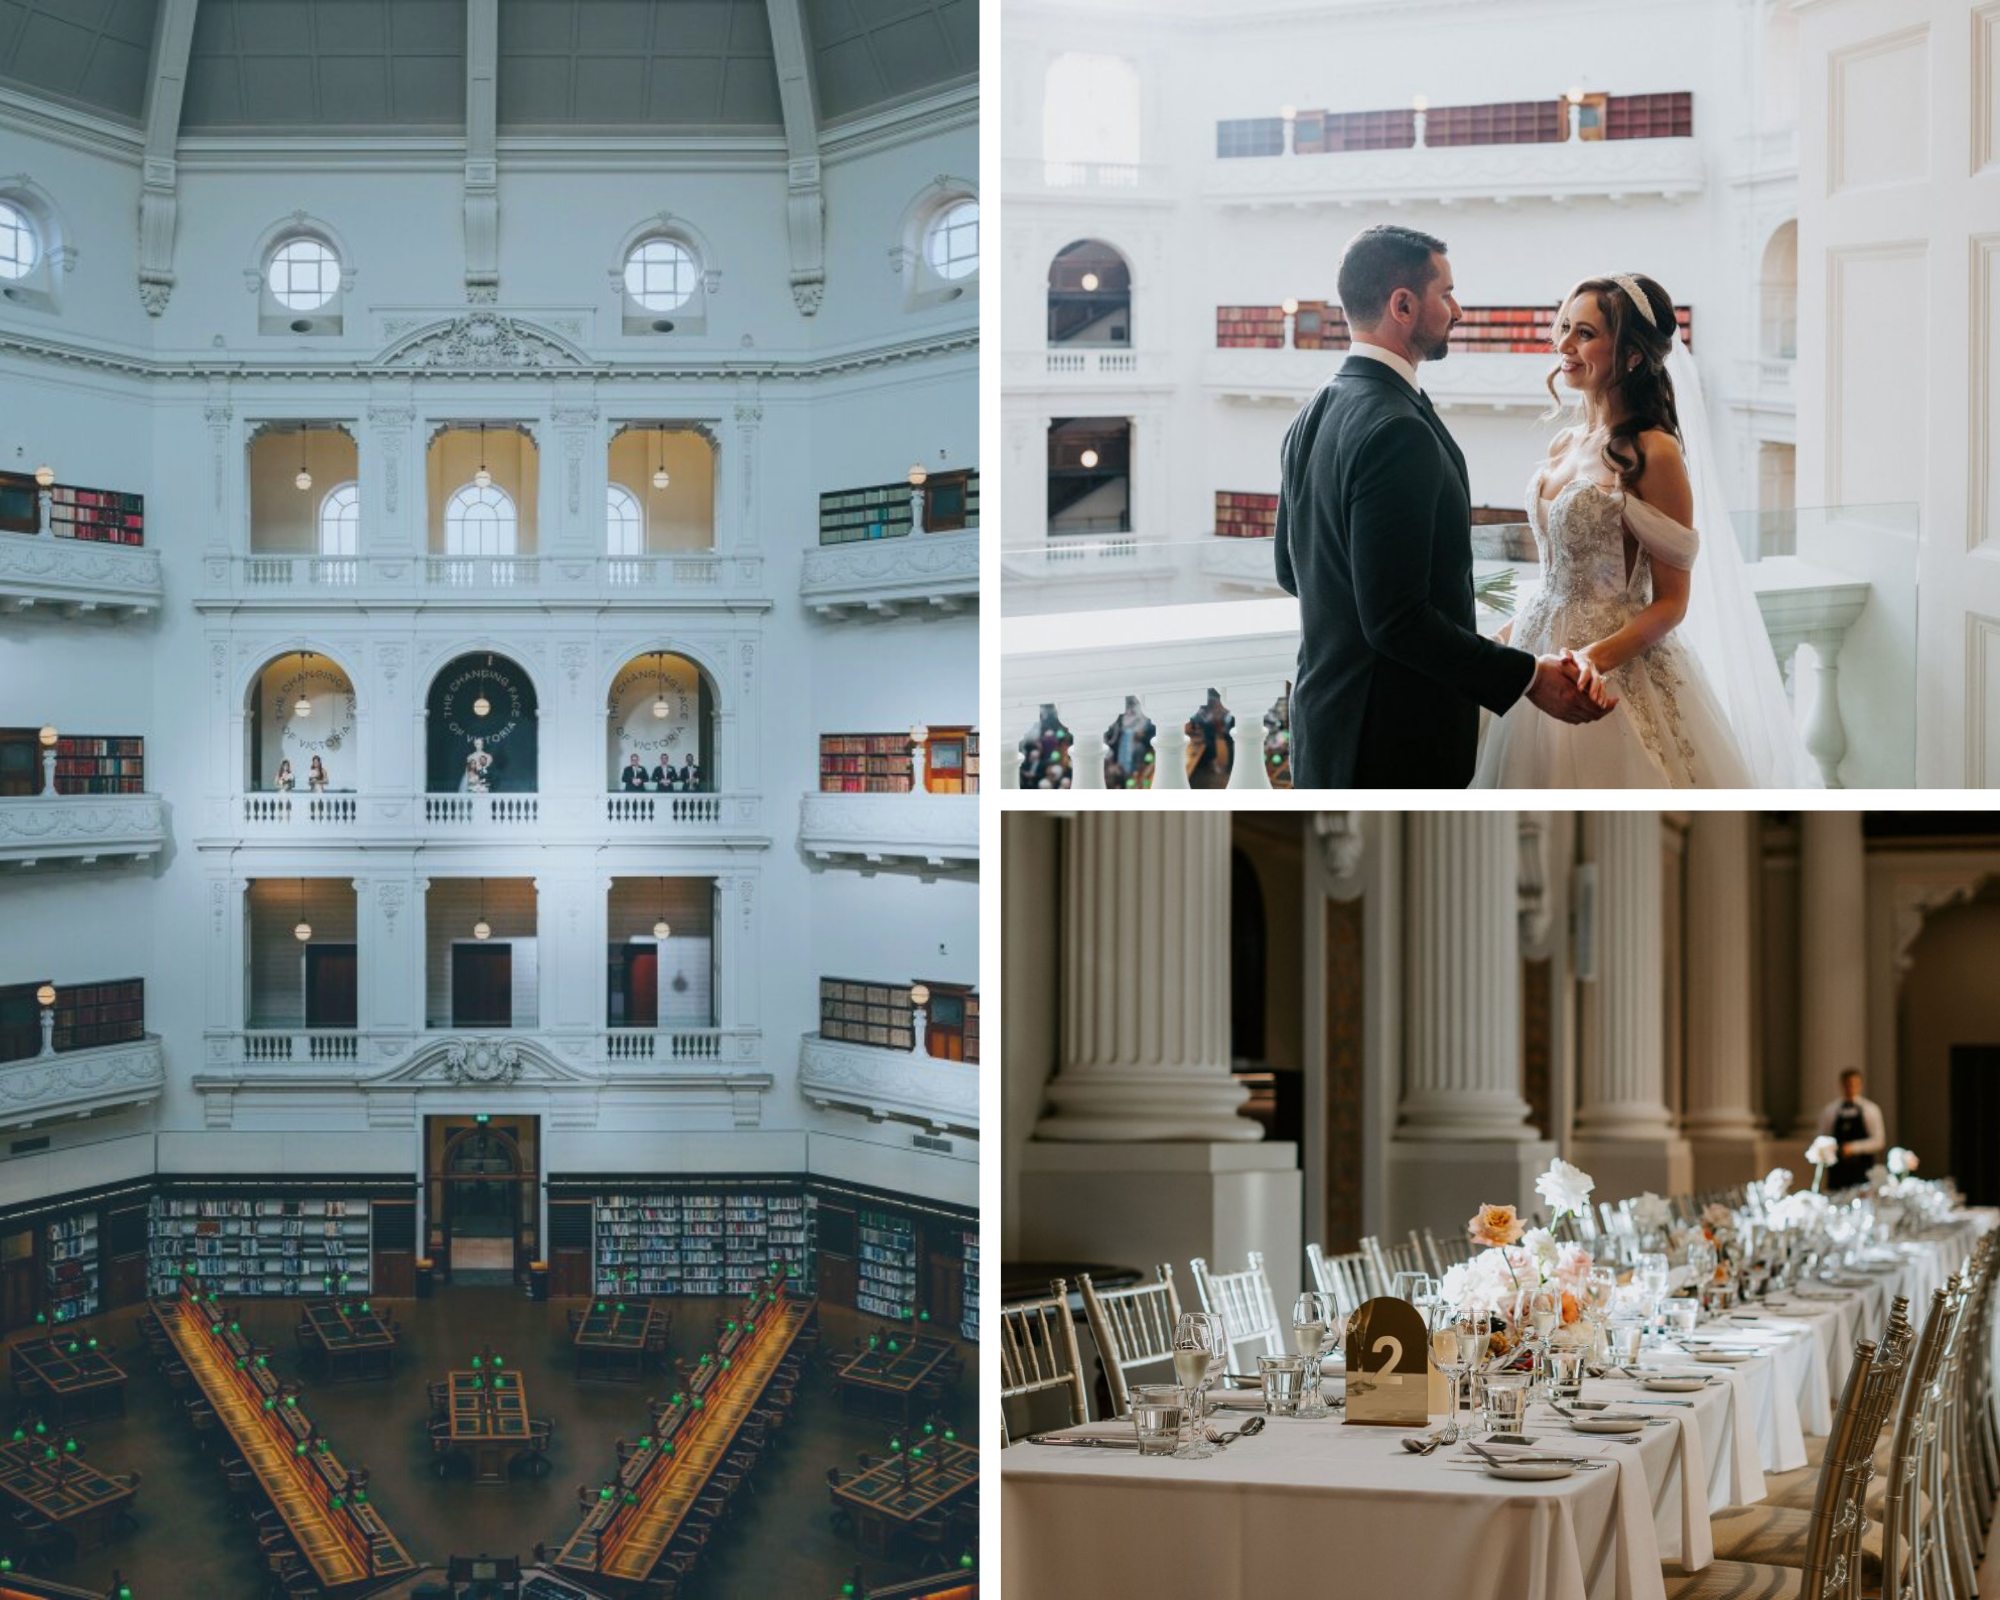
{"x": 1854, "y": 1122}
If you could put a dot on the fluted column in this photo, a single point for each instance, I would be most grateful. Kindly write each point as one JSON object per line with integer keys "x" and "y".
{"x": 1622, "y": 1121}
{"x": 1721, "y": 1119}
{"x": 1833, "y": 958}
{"x": 1145, "y": 1003}
{"x": 1462, "y": 986}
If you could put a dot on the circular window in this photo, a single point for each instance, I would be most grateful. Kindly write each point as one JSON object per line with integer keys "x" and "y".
{"x": 303, "y": 274}
{"x": 660, "y": 275}
{"x": 19, "y": 248}
{"x": 953, "y": 241}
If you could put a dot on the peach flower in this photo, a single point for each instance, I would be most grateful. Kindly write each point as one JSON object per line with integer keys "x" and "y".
{"x": 1494, "y": 1227}
{"x": 1572, "y": 1308}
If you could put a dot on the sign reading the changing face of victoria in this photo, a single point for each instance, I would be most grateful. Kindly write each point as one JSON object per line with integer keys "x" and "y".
{"x": 505, "y": 730}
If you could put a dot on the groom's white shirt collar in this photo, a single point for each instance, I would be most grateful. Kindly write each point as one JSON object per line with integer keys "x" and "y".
{"x": 1389, "y": 359}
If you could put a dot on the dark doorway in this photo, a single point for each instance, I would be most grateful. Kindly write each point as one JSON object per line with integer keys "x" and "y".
{"x": 482, "y": 1192}
{"x": 330, "y": 986}
{"x": 482, "y": 986}
{"x": 1090, "y": 467}
{"x": 1090, "y": 296}
{"x": 1975, "y": 1121}
{"x": 1246, "y": 960}
{"x": 638, "y": 994}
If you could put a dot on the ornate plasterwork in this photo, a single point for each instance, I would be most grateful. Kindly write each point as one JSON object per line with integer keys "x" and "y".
{"x": 43, "y": 827}
{"x": 484, "y": 341}
{"x": 934, "y": 571}
{"x": 79, "y": 1082}
{"x": 931, "y": 832}
{"x": 1341, "y": 837}
{"x": 890, "y": 1085}
{"x": 77, "y": 573}
{"x": 1917, "y": 903}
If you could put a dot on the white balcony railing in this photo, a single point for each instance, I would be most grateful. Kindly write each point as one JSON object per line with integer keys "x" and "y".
{"x": 74, "y": 1083}
{"x": 35, "y": 829}
{"x": 77, "y": 577}
{"x": 925, "y": 572}
{"x": 1095, "y": 180}
{"x": 1072, "y": 368}
{"x": 1766, "y": 383}
{"x": 319, "y": 1044}
{"x": 1499, "y": 174}
{"x": 931, "y": 832}
{"x": 890, "y": 1085}
{"x": 665, "y": 1044}
{"x": 699, "y": 578}
{"x": 389, "y": 819}
{"x": 1505, "y": 381}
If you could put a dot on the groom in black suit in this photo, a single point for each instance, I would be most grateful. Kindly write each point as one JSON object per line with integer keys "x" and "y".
{"x": 1375, "y": 538}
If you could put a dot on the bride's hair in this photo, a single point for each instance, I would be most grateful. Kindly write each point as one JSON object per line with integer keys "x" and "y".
{"x": 1644, "y": 387}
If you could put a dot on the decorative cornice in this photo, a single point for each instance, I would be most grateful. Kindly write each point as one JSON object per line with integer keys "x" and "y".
{"x": 78, "y": 576}
{"x": 929, "y": 572}
{"x": 736, "y": 368}
{"x": 80, "y": 1082}
{"x": 64, "y": 827}
{"x": 935, "y": 833}
{"x": 890, "y": 1085}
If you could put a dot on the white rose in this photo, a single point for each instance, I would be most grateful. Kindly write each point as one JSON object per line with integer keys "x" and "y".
{"x": 1564, "y": 1189}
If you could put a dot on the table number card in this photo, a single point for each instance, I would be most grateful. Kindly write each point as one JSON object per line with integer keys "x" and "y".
{"x": 1388, "y": 1372}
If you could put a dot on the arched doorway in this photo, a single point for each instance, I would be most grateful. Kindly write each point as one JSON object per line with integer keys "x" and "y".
{"x": 481, "y": 1197}
{"x": 480, "y": 727}
{"x": 1090, "y": 296}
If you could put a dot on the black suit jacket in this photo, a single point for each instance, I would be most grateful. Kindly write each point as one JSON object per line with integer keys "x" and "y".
{"x": 1374, "y": 537}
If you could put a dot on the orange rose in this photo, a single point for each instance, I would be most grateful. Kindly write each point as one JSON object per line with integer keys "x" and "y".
{"x": 1571, "y": 1308}
{"x": 1494, "y": 1227}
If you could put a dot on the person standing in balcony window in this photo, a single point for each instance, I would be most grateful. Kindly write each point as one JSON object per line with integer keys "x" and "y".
{"x": 690, "y": 775}
{"x": 663, "y": 776}
{"x": 283, "y": 782}
{"x": 633, "y": 779}
{"x": 316, "y": 780}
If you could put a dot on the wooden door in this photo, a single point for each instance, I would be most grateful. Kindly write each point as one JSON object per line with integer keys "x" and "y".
{"x": 642, "y": 986}
{"x": 838, "y": 1277}
{"x": 942, "y": 1278}
{"x": 19, "y": 1297}
{"x": 944, "y": 1021}
{"x": 331, "y": 986}
{"x": 482, "y": 986}
{"x": 944, "y": 768}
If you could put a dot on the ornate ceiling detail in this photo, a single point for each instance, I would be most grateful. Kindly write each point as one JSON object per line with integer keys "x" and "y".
{"x": 484, "y": 342}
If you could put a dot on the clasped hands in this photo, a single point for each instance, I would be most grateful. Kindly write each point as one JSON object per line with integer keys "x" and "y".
{"x": 1570, "y": 687}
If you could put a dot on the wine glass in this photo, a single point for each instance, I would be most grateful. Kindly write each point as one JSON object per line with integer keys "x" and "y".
{"x": 1200, "y": 1346}
{"x": 1652, "y": 1272}
{"x": 1415, "y": 1287}
{"x": 1600, "y": 1295}
{"x": 1312, "y": 1323}
{"x": 1457, "y": 1341}
{"x": 1544, "y": 1312}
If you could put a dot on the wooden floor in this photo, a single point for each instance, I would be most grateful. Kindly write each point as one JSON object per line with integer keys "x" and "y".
{"x": 779, "y": 1543}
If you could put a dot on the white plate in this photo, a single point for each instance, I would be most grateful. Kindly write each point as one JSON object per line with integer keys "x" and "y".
{"x": 1608, "y": 1425}
{"x": 1530, "y": 1471}
{"x": 1722, "y": 1357}
{"x": 1674, "y": 1385}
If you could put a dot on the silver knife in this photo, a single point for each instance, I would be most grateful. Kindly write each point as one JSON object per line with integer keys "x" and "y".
{"x": 1086, "y": 1443}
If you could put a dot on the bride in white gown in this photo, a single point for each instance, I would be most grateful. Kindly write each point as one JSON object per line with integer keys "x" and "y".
{"x": 1681, "y": 651}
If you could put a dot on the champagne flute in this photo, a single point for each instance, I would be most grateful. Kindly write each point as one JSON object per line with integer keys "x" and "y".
{"x": 1312, "y": 1318}
{"x": 1601, "y": 1294}
{"x": 1451, "y": 1353}
{"x": 1544, "y": 1312}
{"x": 1199, "y": 1345}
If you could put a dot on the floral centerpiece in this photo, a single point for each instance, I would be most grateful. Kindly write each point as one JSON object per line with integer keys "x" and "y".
{"x": 1822, "y": 1153}
{"x": 1516, "y": 1260}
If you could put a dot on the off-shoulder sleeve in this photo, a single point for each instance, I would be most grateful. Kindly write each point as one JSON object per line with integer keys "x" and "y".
{"x": 1662, "y": 538}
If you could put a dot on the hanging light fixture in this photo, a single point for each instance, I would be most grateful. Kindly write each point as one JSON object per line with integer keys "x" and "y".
{"x": 482, "y": 477}
{"x": 661, "y": 709}
{"x": 305, "y": 478}
{"x": 304, "y": 708}
{"x": 660, "y": 478}
{"x": 483, "y": 707}
{"x": 1090, "y": 282}
{"x": 482, "y": 929}
{"x": 303, "y": 931}
{"x": 660, "y": 928}
{"x": 1089, "y": 458}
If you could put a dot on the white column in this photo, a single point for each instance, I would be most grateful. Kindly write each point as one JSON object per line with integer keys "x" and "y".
{"x": 1625, "y": 1136}
{"x": 1145, "y": 1016}
{"x": 1462, "y": 1010}
{"x": 1462, "y": 1137}
{"x": 1721, "y": 1120}
{"x": 1833, "y": 958}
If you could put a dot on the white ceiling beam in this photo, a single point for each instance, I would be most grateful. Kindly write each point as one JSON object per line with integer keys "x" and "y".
{"x": 482, "y": 152}
{"x": 166, "y": 83}
{"x": 805, "y": 203}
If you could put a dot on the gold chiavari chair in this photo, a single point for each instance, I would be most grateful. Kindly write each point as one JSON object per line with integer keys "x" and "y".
{"x": 1133, "y": 1327}
{"x": 1038, "y": 1352}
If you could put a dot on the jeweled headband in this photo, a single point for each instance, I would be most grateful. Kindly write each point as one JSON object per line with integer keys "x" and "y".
{"x": 1631, "y": 287}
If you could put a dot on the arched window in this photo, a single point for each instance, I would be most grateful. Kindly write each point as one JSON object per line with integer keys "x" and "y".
{"x": 479, "y": 522}
{"x": 624, "y": 522}
{"x": 951, "y": 243}
{"x": 20, "y": 245}
{"x": 340, "y": 521}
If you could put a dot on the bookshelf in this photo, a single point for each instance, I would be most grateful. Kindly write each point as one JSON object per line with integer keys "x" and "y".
{"x": 972, "y": 1026}
{"x": 100, "y": 766}
{"x": 1649, "y": 116}
{"x": 972, "y": 762}
{"x": 20, "y": 762}
{"x": 865, "y": 763}
{"x": 968, "y": 1320}
{"x": 847, "y": 516}
{"x": 310, "y": 1246}
{"x": 1509, "y": 122}
{"x": 20, "y": 503}
{"x": 887, "y": 1268}
{"x": 671, "y": 1242}
{"x": 102, "y": 516}
{"x": 951, "y": 501}
{"x": 1245, "y": 516}
{"x": 70, "y": 1267}
{"x": 1249, "y": 328}
{"x": 92, "y": 1014}
{"x": 866, "y": 1013}
{"x": 1319, "y": 325}
{"x": 1249, "y": 136}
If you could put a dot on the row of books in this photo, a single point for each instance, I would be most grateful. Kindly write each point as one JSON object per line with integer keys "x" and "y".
{"x": 1239, "y": 515}
{"x": 968, "y": 1244}
{"x": 312, "y": 1207}
{"x": 1321, "y": 325}
{"x": 887, "y": 1265}
{"x": 103, "y": 516}
{"x": 275, "y": 1245}
{"x": 667, "y": 1242}
{"x": 70, "y": 1268}
{"x": 881, "y": 512}
{"x": 1544, "y": 121}
{"x": 100, "y": 766}
{"x": 1250, "y": 327}
{"x": 866, "y": 763}
{"x": 92, "y": 1015}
